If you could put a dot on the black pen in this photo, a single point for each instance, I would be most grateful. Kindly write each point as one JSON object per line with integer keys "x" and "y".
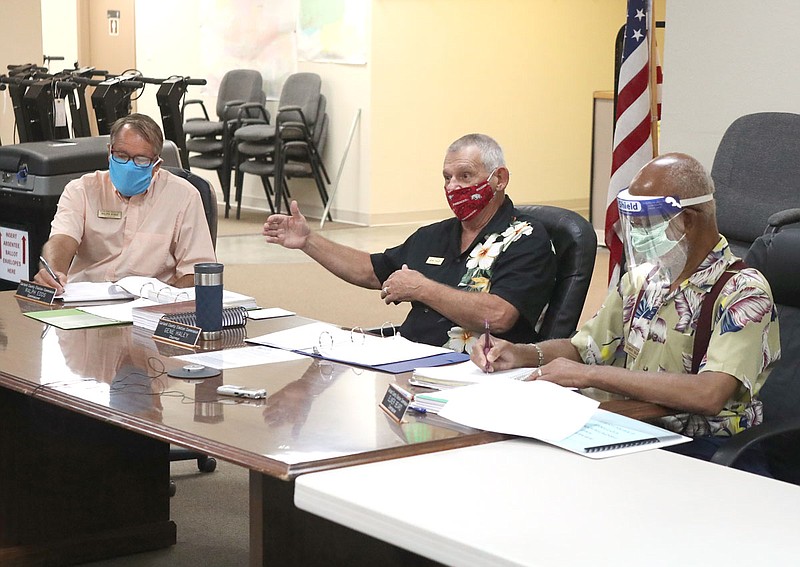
{"x": 49, "y": 270}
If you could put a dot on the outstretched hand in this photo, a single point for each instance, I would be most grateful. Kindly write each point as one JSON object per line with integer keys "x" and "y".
{"x": 290, "y": 231}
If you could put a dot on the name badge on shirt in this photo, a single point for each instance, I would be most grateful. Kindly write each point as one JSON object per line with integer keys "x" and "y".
{"x": 434, "y": 261}
{"x": 109, "y": 214}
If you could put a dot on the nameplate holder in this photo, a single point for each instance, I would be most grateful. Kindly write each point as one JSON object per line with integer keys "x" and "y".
{"x": 395, "y": 402}
{"x": 176, "y": 333}
{"x": 35, "y": 292}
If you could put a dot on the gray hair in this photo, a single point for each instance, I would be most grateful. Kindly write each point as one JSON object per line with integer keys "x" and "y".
{"x": 491, "y": 153}
{"x": 143, "y": 125}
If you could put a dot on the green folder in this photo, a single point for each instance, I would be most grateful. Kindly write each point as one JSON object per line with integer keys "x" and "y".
{"x": 71, "y": 319}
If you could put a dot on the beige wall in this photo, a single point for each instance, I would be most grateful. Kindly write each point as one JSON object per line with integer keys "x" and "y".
{"x": 522, "y": 71}
{"x": 20, "y": 42}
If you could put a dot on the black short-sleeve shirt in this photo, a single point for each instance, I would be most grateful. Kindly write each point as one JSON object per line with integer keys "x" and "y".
{"x": 523, "y": 275}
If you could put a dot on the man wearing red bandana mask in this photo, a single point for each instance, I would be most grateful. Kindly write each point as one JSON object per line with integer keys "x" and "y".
{"x": 489, "y": 247}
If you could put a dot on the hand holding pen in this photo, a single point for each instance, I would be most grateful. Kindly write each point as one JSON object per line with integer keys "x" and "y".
{"x": 51, "y": 273}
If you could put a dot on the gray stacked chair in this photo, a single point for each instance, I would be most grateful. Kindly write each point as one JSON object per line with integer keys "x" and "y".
{"x": 757, "y": 173}
{"x": 210, "y": 142}
{"x": 290, "y": 148}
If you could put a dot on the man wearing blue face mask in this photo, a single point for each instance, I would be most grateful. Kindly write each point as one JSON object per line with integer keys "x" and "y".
{"x": 642, "y": 341}
{"x": 134, "y": 219}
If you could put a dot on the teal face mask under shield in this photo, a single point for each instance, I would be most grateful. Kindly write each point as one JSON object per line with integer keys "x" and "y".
{"x": 651, "y": 234}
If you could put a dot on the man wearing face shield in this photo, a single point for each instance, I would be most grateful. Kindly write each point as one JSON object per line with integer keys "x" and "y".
{"x": 134, "y": 219}
{"x": 640, "y": 343}
{"x": 488, "y": 265}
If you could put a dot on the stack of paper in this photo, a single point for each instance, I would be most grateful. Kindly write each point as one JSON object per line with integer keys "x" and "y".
{"x": 545, "y": 411}
{"x": 463, "y": 374}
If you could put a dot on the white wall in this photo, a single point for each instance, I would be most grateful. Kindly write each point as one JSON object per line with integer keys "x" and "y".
{"x": 724, "y": 59}
{"x": 59, "y": 22}
{"x": 168, "y": 43}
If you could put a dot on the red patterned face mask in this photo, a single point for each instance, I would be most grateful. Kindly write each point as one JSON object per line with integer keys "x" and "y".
{"x": 466, "y": 202}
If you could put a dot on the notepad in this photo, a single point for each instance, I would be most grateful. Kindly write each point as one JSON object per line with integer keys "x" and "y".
{"x": 454, "y": 375}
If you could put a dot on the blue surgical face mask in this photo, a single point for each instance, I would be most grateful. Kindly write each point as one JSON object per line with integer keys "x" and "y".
{"x": 128, "y": 178}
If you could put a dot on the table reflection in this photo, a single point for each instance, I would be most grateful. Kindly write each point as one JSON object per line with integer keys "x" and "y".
{"x": 291, "y": 404}
{"x": 135, "y": 376}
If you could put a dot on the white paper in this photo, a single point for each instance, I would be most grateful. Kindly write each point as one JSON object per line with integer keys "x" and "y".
{"x": 141, "y": 286}
{"x": 239, "y": 357}
{"x": 270, "y": 313}
{"x": 539, "y": 409}
{"x": 117, "y": 311}
{"x": 93, "y": 291}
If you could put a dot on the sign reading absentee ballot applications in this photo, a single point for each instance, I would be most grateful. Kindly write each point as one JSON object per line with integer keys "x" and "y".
{"x": 14, "y": 254}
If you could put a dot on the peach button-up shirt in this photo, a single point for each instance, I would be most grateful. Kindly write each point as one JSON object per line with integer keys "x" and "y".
{"x": 160, "y": 233}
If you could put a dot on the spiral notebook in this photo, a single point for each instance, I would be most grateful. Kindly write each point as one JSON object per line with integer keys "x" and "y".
{"x": 608, "y": 434}
{"x": 184, "y": 312}
{"x": 231, "y": 317}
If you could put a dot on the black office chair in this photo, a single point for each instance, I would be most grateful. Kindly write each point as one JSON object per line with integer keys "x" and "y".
{"x": 210, "y": 142}
{"x": 207, "y": 194}
{"x": 756, "y": 173}
{"x": 777, "y": 255}
{"x": 292, "y": 148}
{"x": 209, "y": 197}
{"x": 575, "y": 244}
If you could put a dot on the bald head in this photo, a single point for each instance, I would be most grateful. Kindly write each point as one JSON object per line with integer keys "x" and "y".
{"x": 674, "y": 174}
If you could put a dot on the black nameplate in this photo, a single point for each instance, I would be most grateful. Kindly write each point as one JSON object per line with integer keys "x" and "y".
{"x": 396, "y": 401}
{"x": 35, "y": 292}
{"x": 173, "y": 332}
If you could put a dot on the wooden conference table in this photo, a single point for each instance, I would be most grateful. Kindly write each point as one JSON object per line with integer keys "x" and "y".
{"x": 87, "y": 416}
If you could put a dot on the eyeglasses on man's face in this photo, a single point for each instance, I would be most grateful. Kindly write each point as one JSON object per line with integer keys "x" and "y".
{"x": 138, "y": 161}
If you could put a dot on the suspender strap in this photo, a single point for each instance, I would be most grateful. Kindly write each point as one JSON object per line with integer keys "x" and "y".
{"x": 702, "y": 334}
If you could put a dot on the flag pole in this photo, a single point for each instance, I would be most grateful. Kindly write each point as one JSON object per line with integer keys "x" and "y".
{"x": 653, "y": 68}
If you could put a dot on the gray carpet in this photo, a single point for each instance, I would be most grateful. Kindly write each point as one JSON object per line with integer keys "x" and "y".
{"x": 211, "y": 512}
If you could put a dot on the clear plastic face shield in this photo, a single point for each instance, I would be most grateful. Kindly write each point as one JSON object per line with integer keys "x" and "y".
{"x": 653, "y": 231}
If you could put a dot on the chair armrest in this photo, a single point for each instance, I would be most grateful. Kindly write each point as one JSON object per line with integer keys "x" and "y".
{"x": 733, "y": 448}
{"x": 284, "y": 110}
{"x": 194, "y": 101}
{"x": 230, "y": 104}
{"x": 244, "y": 116}
{"x": 782, "y": 218}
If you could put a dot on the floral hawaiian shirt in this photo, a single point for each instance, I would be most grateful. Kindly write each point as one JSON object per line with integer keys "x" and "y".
{"x": 744, "y": 341}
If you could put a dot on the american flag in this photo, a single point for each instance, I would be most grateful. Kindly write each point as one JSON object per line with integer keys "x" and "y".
{"x": 633, "y": 142}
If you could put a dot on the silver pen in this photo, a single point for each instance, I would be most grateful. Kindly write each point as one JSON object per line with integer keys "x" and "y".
{"x": 49, "y": 269}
